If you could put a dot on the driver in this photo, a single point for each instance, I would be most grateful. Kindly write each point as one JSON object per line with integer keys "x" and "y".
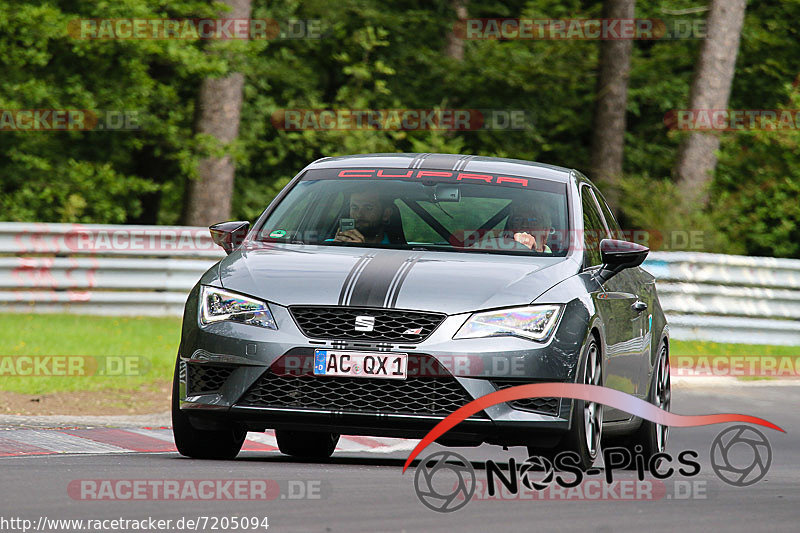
{"x": 530, "y": 224}
{"x": 371, "y": 213}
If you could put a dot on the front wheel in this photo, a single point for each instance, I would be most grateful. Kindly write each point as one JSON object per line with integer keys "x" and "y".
{"x": 200, "y": 443}
{"x": 583, "y": 439}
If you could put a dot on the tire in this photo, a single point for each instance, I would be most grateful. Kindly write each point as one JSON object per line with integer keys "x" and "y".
{"x": 201, "y": 443}
{"x": 586, "y": 426}
{"x": 651, "y": 438}
{"x": 316, "y": 445}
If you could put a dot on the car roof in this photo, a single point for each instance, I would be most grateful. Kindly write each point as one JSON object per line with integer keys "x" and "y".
{"x": 460, "y": 162}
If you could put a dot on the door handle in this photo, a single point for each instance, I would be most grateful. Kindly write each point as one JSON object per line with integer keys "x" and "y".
{"x": 639, "y": 306}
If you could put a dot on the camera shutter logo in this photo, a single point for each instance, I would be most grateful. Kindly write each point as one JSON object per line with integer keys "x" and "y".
{"x": 444, "y": 465}
{"x": 365, "y": 323}
{"x": 537, "y": 472}
{"x": 732, "y": 442}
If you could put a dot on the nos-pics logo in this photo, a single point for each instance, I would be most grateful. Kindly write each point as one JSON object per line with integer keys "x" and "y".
{"x": 445, "y": 481}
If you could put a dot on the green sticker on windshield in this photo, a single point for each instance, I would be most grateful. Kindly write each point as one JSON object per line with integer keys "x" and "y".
{"x": 277, "y": 234}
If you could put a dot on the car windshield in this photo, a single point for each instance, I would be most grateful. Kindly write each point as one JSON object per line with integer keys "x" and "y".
{"x": 422, "y": 209}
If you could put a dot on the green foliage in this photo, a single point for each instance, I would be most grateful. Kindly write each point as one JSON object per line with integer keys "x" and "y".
{"x": 756, "y": 194}
{"x": 379, "y": 55}
{"x": 753, "y": 202}
{"x": 98, "y": 176}
{"x": 657, "y": 218}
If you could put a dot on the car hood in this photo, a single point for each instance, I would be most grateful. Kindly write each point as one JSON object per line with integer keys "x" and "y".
{"x": 446, "y": 282}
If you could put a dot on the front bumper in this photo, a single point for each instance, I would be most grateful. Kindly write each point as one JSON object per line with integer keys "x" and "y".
{"x": 477, "y": 366}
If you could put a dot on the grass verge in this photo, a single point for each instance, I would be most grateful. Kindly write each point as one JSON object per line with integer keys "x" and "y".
{"x": 713, "y": 349}
{"x": 147, "y": 345}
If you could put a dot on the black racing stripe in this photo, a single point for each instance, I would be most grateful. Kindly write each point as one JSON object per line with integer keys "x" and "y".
{"x": 349, "y": 278}
{"x": 403, "y": 277}
{"x": 356, "y": 276}
{"x": 396, "y": 279}
{"x": 373, "y": 284}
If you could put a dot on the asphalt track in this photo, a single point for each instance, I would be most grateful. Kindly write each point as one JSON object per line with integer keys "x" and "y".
{"x": 364, "y": 490}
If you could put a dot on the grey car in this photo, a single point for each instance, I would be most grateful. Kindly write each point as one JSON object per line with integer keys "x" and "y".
{"x": 379, "y": 293}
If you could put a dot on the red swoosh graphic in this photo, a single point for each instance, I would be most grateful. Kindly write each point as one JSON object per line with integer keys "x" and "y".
{"x": 593, "y": 393}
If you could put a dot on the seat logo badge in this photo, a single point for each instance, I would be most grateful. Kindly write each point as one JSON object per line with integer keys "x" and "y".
{"x": 365, "y": 323}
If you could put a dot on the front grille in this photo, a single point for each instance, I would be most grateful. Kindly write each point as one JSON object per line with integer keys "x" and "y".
{"x": 205, "y": 378}
{"x": 438, "y": 396}
{"x": 548, "y": 406}
{"x": 391, "y": 325}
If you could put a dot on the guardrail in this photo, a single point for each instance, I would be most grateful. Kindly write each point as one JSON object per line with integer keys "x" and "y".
{"x": 147, "y": 270}
{"x": 729, "y": 298}
{"x": 101, "y": 269}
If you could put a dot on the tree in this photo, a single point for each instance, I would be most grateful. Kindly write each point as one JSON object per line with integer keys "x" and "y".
{"x": 98, "y": 176}
{"x": 711, "y": 89}
{"x": 608, "y": 133}
{"x": 455, "y": 44}
{"x": 219, "y": 104}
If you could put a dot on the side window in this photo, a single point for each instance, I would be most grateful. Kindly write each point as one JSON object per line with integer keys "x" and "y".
{"x": 594, "y": 230}
{"x": 290, "y": 214}
{"x": 613, "y": 226}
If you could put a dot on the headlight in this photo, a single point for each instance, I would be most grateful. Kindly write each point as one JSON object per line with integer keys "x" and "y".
{"x": 535, "y": 322}
{"x": 217, "y": 305}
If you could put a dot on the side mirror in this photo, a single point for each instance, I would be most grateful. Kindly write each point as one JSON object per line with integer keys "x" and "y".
{"x": 229, "y": 235}
{"x": 619, "y": 255}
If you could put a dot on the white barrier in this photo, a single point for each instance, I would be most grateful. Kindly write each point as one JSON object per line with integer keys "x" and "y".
{"x": 101, "y": 269}
{"x": 147, "y": 270}
{"x": 728, "y": 298}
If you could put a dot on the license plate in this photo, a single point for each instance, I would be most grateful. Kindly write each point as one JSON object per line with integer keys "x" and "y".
{"x": 360, "y": 364}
